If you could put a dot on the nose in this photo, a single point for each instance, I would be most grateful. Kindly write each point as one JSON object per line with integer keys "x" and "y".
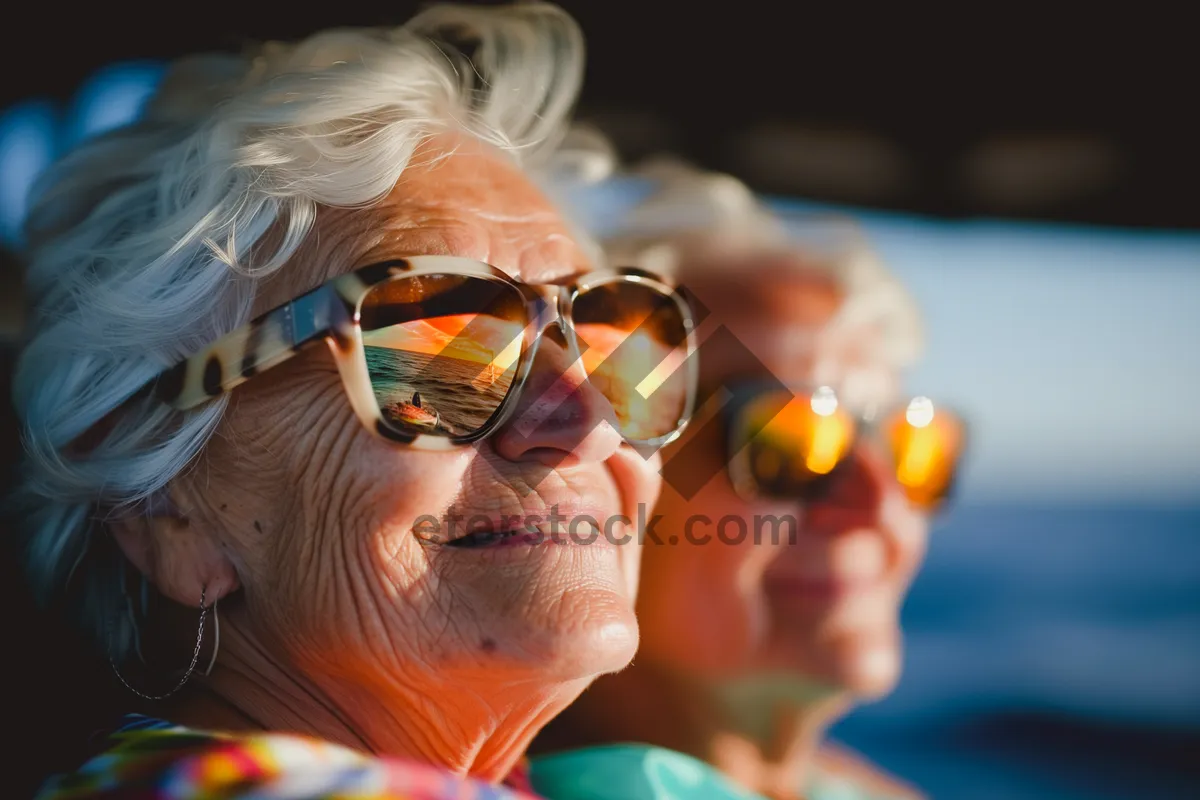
{"x": 855, "y": 495}
{"x": 560, "y": 419}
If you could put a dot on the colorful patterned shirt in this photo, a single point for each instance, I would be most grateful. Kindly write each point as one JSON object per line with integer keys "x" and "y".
{"x": 151, "y": 759}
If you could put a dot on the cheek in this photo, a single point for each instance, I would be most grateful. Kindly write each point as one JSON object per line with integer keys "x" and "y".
{"x": 257, "y": 472}
{"x": 908, "y": 531}
{"x": 701, "y": 603}
{"x": 370, "y": 590}
{"x": 361, "y": 511}
{"x": 336, "y": 567}
{"x": 646, "y": 485}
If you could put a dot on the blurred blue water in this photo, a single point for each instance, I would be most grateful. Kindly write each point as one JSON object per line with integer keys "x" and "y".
{"x": 1052, "y": 652}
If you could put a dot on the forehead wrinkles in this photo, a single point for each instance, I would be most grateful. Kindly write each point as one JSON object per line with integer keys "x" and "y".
{"x": 515, "y": 226}
{"x": 508, "y": 224}
{"x": 536, "y": 249}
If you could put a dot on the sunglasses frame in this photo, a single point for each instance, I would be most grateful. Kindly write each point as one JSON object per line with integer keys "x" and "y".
{"x": 865, "y": 425}
{"x": 332, "y": 312}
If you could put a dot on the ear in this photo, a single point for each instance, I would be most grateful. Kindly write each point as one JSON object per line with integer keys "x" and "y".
{"x": 182, "y": 562}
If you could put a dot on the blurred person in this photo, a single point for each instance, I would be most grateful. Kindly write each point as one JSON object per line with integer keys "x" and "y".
{"x": 284, "y": 332}
{"x": 755, "y": 639}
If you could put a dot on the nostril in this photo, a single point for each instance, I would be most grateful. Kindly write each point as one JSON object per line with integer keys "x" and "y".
{"x": 557, "y": 334}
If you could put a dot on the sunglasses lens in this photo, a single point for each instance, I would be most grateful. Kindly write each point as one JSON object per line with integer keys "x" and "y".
{"x": 442, "y": 350}
{"x": 927, "y": 444}
{"x": 633, "y": 339}
{"x": 787, "y": 443}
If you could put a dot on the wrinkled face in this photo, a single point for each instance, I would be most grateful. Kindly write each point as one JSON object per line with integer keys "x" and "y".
{"x": 318, "y": 515}
{"x": 824, "y": 607}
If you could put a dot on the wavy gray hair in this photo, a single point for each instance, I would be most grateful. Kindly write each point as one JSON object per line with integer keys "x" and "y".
{"x": 692, "y": 213}
{"x": 148, "y": 243}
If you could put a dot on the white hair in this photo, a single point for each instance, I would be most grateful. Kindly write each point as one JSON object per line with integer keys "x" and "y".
{"x": 692, "y": 216}
{"x": 148, "y": 243}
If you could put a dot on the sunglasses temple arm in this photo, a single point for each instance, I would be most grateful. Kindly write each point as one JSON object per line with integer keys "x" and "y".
{"x": 254, "y": 348}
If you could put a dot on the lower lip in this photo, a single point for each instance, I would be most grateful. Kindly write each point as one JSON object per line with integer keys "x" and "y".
{"x": 539, "y": 539}
{"x": 814, "y": 591}
{"x": 524, "y": 540}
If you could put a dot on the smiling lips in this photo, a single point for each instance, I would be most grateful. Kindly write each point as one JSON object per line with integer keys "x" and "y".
{"x": 504, "y": 539}
{"x": 829, "y": 570}
{"x": 830, "y": 590}
{"x": 558, "y": 524}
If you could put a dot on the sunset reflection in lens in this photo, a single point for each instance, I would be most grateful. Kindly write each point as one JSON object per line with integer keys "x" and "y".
{"x": 927, "y": 444}
{"x": 442, "y": 351}
{"x": 633, "y": 344}
{"x": 794, "y": 439}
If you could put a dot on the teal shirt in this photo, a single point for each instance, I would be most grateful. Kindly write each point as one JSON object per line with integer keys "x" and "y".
{"x": 641, "y": 772}
{"x": 835, "y": 787}
{"x": 630, "y": 772}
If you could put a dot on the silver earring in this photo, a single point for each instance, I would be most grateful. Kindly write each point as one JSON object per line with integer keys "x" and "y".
{"x": 191, "y": 667}
{"x": 216, "y": 636}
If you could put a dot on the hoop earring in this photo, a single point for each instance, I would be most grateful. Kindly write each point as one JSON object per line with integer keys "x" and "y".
{"x": 216, "y": 635}
{"x": 191, "y": 667}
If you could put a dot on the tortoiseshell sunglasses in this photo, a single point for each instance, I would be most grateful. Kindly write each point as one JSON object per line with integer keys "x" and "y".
{"x": 432, "y": 350}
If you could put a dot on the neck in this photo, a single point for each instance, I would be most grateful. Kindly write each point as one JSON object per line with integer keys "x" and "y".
{"x": 469, "y": 725}
{"x": 770, "y": 750}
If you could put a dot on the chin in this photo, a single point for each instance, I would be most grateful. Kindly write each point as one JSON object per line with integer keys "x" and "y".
{"x": 557, "y": 611}
{"x": 587, "y": 626}
{"x": 869, "y": 670}
{"x": 595, "y": 630}
{"x": 601, "y": 638}
{"x": 862, "y": 663}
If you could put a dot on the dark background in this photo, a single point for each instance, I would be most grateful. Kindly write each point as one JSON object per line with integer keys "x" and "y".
{"x": 991, "y": 110}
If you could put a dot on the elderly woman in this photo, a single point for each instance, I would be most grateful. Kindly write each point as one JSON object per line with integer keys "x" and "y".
{"x": 307, "y": 417}
{"x": 792, "y": 520}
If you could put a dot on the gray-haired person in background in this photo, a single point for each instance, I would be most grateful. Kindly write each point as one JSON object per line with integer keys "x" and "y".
{"x": 795, "y": 511}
